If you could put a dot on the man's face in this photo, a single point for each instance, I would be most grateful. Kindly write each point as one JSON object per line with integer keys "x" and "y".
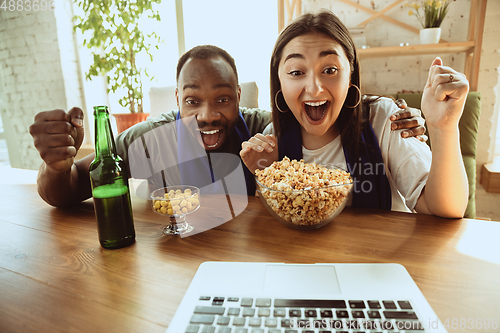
{"x": 208, "y": 90}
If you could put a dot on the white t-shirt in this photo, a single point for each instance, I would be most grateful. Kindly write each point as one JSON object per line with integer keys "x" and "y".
{"x": 407, "y": 161}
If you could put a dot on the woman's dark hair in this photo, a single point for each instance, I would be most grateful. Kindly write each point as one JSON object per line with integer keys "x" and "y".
{"x": 350, "y": 120}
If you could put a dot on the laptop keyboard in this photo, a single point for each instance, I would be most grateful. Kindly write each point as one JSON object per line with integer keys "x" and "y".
{"x": 264, "y": 315}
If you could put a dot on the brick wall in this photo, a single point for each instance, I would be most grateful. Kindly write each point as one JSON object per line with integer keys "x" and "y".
{"x": 37, "y": 72}
{"x": 393, "y": 74}
{"x": 390, "y": 75}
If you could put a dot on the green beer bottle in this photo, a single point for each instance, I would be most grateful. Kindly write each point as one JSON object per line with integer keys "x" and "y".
{"x": 109, "y": 179}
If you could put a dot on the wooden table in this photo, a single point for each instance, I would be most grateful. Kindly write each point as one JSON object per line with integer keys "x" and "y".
{"x": 54, "y": 276}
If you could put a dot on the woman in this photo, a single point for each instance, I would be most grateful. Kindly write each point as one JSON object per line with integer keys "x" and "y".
{"x": 320, "y": 115}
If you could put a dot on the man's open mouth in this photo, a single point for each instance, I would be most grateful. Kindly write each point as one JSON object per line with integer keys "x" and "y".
{"x": 211, "y": 139}
{"x": 316, "y": 110}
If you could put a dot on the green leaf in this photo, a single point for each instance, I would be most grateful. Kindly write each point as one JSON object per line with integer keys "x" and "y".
{"x": 116, "y": 41}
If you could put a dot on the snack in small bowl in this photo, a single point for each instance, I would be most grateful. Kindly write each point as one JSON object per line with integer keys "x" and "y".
{"x": 303, "y": 195}
{"x": 175, "y": 202}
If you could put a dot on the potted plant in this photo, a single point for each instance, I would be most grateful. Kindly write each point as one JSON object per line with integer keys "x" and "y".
{"x": 433, "y": 14}
{"x": 116, "y": 42}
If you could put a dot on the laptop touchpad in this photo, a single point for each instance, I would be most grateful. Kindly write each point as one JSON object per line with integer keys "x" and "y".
{"x": 301, "y": 279}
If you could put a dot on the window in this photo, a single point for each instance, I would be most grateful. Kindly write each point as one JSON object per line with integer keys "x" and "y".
{"x": 245, "y": 29}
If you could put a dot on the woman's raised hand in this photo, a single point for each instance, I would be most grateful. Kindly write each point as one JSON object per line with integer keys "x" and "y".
{"x": 444, "y": 97}
{"x": 259, "y": 152}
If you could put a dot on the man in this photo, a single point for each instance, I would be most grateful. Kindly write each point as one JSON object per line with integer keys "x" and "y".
{"x": 207, "y": 93}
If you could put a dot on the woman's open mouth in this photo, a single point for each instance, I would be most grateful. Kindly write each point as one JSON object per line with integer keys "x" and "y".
{"x": 316, "y": 110}
{"x": 211, "y": 139}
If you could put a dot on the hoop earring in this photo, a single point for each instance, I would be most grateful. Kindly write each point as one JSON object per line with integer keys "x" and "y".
{"x": 276, "y": 102}
{"x": 359, "y": 99}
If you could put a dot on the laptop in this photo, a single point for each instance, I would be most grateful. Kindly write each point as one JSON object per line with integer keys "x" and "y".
{"x": 243, "y": 297}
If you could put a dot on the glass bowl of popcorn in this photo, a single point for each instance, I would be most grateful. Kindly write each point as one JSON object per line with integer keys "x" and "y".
{"x": 175, "y": 202}
{"x": 303, "y": 195}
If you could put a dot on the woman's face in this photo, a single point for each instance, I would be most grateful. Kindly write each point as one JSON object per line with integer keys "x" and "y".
{"x": 315, "y": 76}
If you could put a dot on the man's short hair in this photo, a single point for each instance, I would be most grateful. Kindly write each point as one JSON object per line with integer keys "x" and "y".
{"x": 205, "y": 52}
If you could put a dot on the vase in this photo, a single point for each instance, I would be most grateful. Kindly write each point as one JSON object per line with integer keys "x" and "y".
{"x": 430, "y": 35}
{"x": 126, "y": 120}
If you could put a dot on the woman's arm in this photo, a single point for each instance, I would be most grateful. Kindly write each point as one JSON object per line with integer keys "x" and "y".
{"x": 446, "y": 191}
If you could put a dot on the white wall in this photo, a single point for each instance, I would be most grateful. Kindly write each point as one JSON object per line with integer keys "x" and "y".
{"x": 38, "y": 72}
{"x": 489, "y": 85}
{"x": 247, "y": 30}
{"x": 394, "y": 74}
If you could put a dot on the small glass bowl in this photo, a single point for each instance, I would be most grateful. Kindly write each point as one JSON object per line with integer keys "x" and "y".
{"x": 175, "y": 202}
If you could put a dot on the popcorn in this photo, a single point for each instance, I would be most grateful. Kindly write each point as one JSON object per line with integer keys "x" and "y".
{"x": 303, "y": 193}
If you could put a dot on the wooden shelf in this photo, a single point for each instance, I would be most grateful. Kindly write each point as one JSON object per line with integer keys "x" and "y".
{"x": 471, "y": 47}
{"x": 434, "y": 49}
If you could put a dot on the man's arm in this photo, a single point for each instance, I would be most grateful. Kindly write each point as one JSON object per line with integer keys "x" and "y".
{"x": 57, "y": 136}
{"x": 63, "y": 188}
